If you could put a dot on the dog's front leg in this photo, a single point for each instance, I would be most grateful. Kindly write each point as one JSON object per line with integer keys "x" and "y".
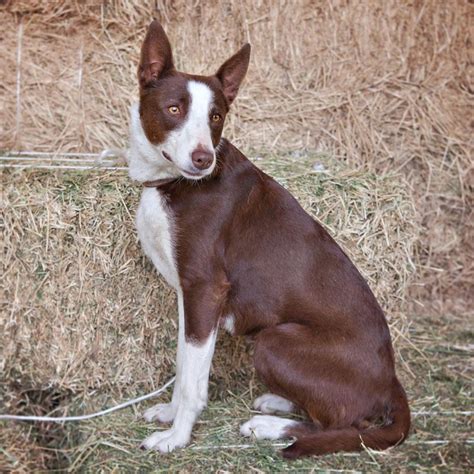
{"x": 196, "y": 343}
{"x": 166, "y": 412}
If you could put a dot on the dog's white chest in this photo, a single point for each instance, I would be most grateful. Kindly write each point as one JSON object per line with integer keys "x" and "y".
{"x": 154, "y": 226}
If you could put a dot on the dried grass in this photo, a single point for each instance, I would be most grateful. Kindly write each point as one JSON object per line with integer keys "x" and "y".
{"x": 87, "y": 319}
{"x": 387, "y": 85}
{"x": 84, "y": 305}
{"x": 380, "y": 93}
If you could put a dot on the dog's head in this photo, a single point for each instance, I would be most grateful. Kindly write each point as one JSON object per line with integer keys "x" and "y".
{"x": 183, "y": 115}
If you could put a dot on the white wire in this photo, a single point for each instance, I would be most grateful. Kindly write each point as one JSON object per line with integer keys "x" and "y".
{"x": 60, "y": 419}
{"x": 65, "y": 167}
{"x": 53, "y": 161}
{"x": 51, "y": 153}
{"x": 53, "y": 158}
{"x": 18, "y": 77}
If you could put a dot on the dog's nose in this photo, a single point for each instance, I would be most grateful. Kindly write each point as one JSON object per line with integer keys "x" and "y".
{"x": 202, "y": 159}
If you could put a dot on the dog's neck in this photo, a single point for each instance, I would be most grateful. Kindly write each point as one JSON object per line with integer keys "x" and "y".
{"x": 145, "y": 160}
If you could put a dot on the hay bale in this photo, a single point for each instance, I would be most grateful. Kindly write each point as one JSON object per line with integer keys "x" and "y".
{"x": 89, "y": 319}
{"x": 86, "y": 309}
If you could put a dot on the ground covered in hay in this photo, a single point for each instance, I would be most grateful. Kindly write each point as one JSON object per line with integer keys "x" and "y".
{"x": 362, "y": 109}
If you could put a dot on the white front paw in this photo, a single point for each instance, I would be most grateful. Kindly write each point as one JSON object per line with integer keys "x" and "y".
{"x": 163, "y": 412}
{"x": 166, "y": 441}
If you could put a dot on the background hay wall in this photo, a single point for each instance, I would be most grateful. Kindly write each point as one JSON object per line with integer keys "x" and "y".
{"x": 385, "y": 84}
{"x": 379, "y": 92}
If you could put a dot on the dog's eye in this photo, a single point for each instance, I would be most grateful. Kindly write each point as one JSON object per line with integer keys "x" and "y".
{"x": 173, "y": 110}
{"x": 216, "y": 118}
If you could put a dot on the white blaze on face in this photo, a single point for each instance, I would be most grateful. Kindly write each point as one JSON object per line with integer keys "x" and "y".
{"x": 194, "y": 132}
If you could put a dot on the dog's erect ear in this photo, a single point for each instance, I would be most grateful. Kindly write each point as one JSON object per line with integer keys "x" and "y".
{"x": 156, "y": 57}
{"x": 233, "y": 71}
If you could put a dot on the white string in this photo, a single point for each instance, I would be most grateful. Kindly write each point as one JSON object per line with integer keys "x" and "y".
{"x": 58, "y": 160}
{"x": 443, "y": 413}
{"x": 60, "y": 419}
{"x": 284, "y": 445}
{"x": 18, "y": 79}
{"x": 64, "y": 167}
{"x": 55, "y": 153}
{"x": 239, "y": 446}
{"x": 62, "y": 159}
{"x": 106, "y": 153}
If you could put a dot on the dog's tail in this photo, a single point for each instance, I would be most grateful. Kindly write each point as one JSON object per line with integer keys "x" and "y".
{"x": 352, "y": 439}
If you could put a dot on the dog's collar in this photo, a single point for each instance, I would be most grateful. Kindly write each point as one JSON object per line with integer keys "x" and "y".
{"x": 156, "y": 183}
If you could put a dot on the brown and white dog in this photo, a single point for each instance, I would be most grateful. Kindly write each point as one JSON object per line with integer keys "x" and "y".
{"x": 242, "y": 254}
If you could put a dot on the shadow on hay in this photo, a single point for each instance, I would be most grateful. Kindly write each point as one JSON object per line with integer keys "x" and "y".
{"x": 49, "y": 440}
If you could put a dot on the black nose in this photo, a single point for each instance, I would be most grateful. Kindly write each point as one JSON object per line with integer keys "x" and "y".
{"x": 202, "y": 159}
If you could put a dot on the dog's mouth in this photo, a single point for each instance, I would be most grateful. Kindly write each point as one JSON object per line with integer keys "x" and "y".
{"x": 192, "y": 174}
{"x": 168, "y": 157}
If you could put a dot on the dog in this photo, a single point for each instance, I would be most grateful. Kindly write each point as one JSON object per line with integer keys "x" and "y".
{"x": 243, "y": 255}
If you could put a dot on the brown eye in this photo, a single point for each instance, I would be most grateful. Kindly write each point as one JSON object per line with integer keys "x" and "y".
{"x": 216, "y": 118}
{"x": 173, "y": 110}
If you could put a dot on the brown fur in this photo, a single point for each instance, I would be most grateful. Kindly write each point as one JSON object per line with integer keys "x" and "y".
{"x": 244, "y": 246}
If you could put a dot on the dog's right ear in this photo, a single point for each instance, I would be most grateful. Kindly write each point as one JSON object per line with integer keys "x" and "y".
{"x": 156, "y": 57}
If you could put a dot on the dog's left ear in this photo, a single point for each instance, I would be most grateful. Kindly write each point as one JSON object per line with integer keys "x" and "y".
{"x": 232, "y": 72}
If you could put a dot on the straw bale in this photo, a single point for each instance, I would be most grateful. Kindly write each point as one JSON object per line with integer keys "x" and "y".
{"x": 86, "y": 310}
{"x": 86, "y": 319}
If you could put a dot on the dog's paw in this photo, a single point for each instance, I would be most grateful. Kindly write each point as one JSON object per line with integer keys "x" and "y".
{"x": 166, "y": 441}
{"x": 269, "y": 403}
{"x": 266, "y": 427}
{"x": 163, "y": 412}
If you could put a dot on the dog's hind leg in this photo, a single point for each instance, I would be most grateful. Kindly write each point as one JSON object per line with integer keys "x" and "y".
{"x": 267, "y": 427}
{"x": 327, "y": 376}
{"x": 309, "y": 372}
{"x": 276, "y": 349}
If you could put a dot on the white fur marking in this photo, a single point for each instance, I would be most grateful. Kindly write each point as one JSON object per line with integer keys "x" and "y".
{"x": 195, "y": 131}
{"x": 153, "y": 223}
{"x": 162, "y": 412}
{"x": 266, "y": 427}
{"x": 191, "y": 398}
{"x": 166, "y": 412}
{"x": 270, "y": 403}
{"x": 228, "y": 323}
{"x": 145, "y": 160}
{"x": 197, "y": 125}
